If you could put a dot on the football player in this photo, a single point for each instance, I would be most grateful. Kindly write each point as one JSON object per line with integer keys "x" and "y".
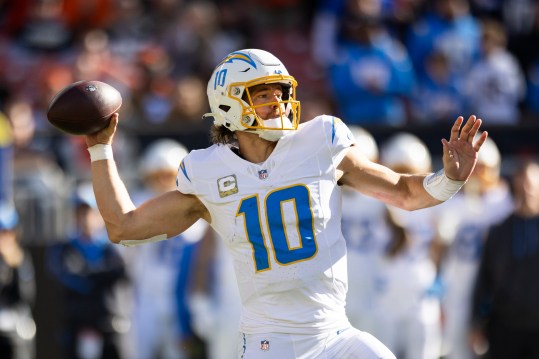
{"x": 406, "y": 310}
{"x": 365, "y": 229}
{"x": 156, "y": 268}
{"x": 465, "y": 221}
{"x": 271, "y": 188}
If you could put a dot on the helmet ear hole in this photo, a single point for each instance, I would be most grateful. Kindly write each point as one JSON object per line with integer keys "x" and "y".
{"x": 225, "y": 108}
{"x": 287, "y": 91}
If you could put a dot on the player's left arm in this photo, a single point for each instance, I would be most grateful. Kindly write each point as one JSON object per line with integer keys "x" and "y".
{"x": 411, "y": 191}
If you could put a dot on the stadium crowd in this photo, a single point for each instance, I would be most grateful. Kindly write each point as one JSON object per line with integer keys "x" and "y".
{"x": 380, "y": 65}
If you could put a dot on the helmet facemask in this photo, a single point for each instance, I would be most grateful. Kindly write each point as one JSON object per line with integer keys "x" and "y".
{"x": 287, "y": 119}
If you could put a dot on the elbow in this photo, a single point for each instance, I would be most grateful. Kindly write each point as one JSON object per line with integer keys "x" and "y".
{"x": 406, "y": 204}
{"x": 118, "y": 232}
{"x": 115, "y": 236}
{"x": 122, "y": 226}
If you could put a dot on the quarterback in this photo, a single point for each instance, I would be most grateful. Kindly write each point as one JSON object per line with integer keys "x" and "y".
{"x": 271, "y": 187}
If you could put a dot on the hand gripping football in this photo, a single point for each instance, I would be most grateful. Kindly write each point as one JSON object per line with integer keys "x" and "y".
{"x": 84, "y": 107}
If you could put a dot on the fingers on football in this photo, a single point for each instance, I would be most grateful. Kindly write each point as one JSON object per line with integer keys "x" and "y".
{"x": 114, "y": 119}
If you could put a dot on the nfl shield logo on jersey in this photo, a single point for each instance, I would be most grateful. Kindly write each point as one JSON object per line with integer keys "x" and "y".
{"x": 263, "y": 174}
{"x": 264, "y": 345}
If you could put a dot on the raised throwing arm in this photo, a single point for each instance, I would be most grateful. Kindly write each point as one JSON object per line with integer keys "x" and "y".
{"x": 159, "y": 218}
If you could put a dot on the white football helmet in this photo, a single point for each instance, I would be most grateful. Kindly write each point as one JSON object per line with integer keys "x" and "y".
{"x": 405, "y": 152}
{"x": 486, "y": 174}
{"x": 365, "y": 142}
{"x": 489, "y": 155}
{"x": 230, "y": 101}
{"x": 162, "y": 155}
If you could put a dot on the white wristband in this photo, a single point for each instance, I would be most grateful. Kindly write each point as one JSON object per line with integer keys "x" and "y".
{"x": 439, "y": 186}
{"x": 100, "y": 152}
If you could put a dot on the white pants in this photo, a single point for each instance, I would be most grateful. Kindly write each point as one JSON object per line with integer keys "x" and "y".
{"x": 349, "y": 343}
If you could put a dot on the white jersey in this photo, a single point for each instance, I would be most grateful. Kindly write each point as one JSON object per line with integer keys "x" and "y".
{"x": 471, "y": 217}
{"x": 281, "y": 220}
{"x": 402, "y": 281}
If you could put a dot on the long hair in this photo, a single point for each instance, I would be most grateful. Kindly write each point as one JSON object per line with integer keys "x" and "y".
{"x": 222, "y": 135}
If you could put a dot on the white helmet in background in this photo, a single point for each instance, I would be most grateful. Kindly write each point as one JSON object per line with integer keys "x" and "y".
{"x": 405, "y": 152}
{"x": 230, "y": 101}
{"x": 365, "y": 142}
{"x": 162, "y": 155}
{"x": 489, "y": 155}
{"x": 486, "y": 174}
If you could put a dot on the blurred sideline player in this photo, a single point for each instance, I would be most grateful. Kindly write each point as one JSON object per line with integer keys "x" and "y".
{"x": 154, "y": 267}
{"x": 17, "y": 289}
{"x": 91, "y": 273}
{"x": 407, "y": 313}
{"x": 464, "y": 223}
{"x": 214, "y": 300}
{"x": 365, "y": 229}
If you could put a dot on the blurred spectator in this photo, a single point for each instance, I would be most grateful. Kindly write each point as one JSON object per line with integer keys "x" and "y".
{"x": 290, "y": 39}
{"x": 519, "y": 42}
{"x": 506, "y": 293}
{"x": 82, "y": 15}
{"x": 188, "y": 102}
{"x": 44, "y": 28}
{"x": 327, "y": 31}
{"x": 12, "y": 16}
{"x": 372, "y": 76}
{"x": 407, "y": 315}
{"x": 170, "y": 106}
{"x": 495, "y": 84}
{"x": 464, "y": 222}
{"x": 39, "y": 183}
{"x": 159, "y": 329}
{"x": 366, "y": 231}
{"x": 438, "y": 95}
{"x": 6, "y": 159}
{"x": 517, "y": 15}
{"x": 532, "y": 94}
{"x": 17, "y": 290}
{"x": 400, "y": 15}
{"x": 95, "y": 59}
{"x": 448, "y": 28}
{"x": 528, "y": 57}
{"x": 195, "y": 41}
{"x": 89, "y": 269}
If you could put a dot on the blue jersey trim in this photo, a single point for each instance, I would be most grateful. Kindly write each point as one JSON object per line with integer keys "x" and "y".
{"x": 332, "y": 129}
{"x": 182, "y": 167}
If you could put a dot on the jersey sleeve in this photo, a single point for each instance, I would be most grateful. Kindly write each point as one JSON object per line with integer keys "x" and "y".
{"x": 184, "y": 182}
{"x": 340, "y": 138}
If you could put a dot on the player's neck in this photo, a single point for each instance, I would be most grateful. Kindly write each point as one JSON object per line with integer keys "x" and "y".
{"x": 254, "y": 149}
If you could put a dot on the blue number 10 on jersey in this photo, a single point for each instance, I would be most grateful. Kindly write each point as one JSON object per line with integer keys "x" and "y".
{"x": 298, "y": 196}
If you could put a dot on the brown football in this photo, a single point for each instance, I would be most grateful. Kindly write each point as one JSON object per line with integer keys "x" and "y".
{"x": 84, "y": 107}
